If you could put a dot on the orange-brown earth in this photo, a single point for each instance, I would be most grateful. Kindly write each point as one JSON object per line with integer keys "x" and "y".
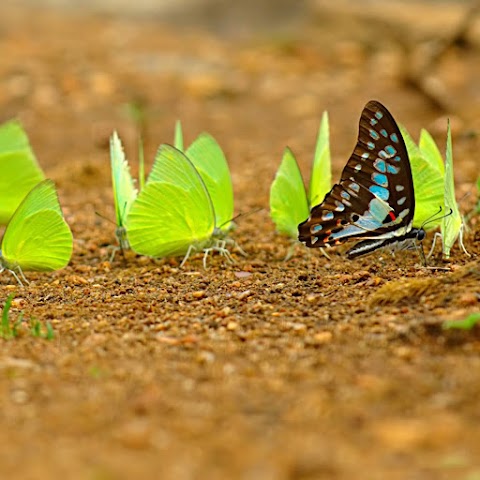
{"x": 306, "y": 369}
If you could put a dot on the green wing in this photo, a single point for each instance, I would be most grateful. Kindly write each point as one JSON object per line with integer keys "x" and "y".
{"x": 430, "y": 151}
{"x": 288, "y": 199}
{"x": 37, "y": 237}
{"x": 427, "y": 183}
{"x": 178, "y": 142}
{"x": 173, "y": 211}
{"x": 451, "y": 224}
{"x": 210, "y": 162}
{"x": 321, "y": 178}
{"x": 124, "y": 191}
{"x": 20, "y": 170}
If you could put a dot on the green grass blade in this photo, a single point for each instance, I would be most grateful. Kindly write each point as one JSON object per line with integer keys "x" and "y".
{"x": 466, "y": 324}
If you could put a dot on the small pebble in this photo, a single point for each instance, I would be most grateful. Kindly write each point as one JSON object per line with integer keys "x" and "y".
{"x": 322, "y": 338}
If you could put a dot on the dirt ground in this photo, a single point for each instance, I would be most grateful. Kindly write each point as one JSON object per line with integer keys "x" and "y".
{"x": 306, "y": 369}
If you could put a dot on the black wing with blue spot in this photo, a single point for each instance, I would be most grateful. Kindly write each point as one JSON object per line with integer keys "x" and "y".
{"x": 375, "y": 197}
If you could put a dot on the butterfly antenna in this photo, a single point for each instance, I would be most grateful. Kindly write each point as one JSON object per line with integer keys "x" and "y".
{"x": 105, "y": 218}
{"x": 435, "y": 217}
{"x": 242, "y": 214}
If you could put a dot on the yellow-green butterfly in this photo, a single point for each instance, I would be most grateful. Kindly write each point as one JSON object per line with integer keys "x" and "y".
{"x": 289, "y": 203}
{"x": 435, "y": 189}
{"x": 186, "y": 204}
{"x": 19, "y": 167}
{"x": 428, "y": 179}
{"x": 124, "y": 191}
{"x": 37, "y": 238}
{"x": 452, "y": 225}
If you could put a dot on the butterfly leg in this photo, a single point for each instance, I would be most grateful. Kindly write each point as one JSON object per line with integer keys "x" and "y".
{"x": 191, "y": 249}
{"x": 419, "y": 247}
{"x": 17, "y": 278}
{"x": 437, "y": 235}
{"x": 241, "y": 251}
{"x": 220, "y": 247}
{"x": 115, "y": 249}
{"x": 236, "y": 246}
{"x": 460, "y": 241}
{"x": 20, "y": 271}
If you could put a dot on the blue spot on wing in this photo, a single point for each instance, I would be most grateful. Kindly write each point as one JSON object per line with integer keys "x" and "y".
{"x": 355, "y": 187}
{"x": 380, "y": 179}
{"x": 316, "y": 228}
{"x": 380, "y": 165}
{"x": 365, "y": 155}
{"x": 384, "y": 133}
{"x": 379, "y": 115}
{"x": 370, "y": 145}
{"x": 394, "y": 137}
{"x": 374, "y": 134}
{"x": 392, "y": 169}
{"x": 380, "y": 192}
{"x": 373, "y": 122}
{"x": 390, "y": 150}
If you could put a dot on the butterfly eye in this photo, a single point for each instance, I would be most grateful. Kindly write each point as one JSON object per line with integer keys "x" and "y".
{"x": 354, "y": 217}
{"x": 421, "y": 234}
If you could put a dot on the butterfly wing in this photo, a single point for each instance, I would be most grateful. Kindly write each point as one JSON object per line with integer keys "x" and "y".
{"x": 37, "y": 237}
{"x": 210, "y": 162}
{"x": 375, "y": 196}
{"x": 19, "y": 167}
{"x": 124, "y": 191}
{"x": 288, "y": 199}
{"x": 178, "y": 140}
{"x": 321, "y": 178}
{"x": 430, "y": 151}
{"x": 451, "y": 224}
{"x": 173, "y": 211}
{"x": 428, "y": 181}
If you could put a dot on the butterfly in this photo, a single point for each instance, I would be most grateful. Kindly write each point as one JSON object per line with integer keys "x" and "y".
{"x": 186, "y": 204}
{"x": 124, "y": 191}
{"x": 289, "y": 202}
{"x": 37, "y": 238}
{"x": 374, "y": 200}
{"x": 433, "y": 181}
{"x": 19, "y": 167}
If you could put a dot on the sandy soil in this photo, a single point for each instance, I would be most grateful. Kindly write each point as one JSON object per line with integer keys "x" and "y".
{"x": 266, "y": 369}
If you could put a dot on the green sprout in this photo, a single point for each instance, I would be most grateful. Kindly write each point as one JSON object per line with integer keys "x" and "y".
{"x": 466, "y": 324}
{"x": 11, "y": 329}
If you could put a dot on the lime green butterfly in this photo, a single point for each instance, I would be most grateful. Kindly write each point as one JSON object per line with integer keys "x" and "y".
{"x": 124, "y": 191}
{"x": 452, "y": 225}
{"x": 19, "y": 167}
{"x": 186, "y": 204}
{"x": 289, "y": 203}
{"x": 434, "y": 189}
{"x": 428, "y": 179}
{"x": 37, "y": 238}
{"x": 210, "y": 162}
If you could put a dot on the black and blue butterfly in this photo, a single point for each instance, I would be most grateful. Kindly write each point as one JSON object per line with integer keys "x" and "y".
{"x": 374, "y": 200}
